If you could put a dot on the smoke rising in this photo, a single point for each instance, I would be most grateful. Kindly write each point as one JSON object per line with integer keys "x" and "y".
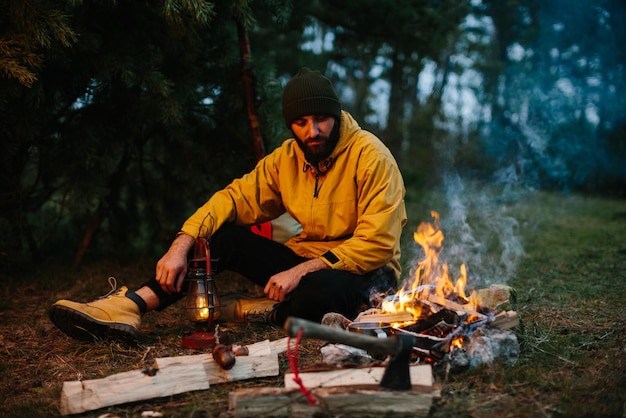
{"x": 553, "y": 119}
{"x": 478, "y": 227}
{"x": 479, "y": 232}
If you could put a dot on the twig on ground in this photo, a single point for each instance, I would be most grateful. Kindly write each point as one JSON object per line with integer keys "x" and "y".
{"x": 552, "y": 354}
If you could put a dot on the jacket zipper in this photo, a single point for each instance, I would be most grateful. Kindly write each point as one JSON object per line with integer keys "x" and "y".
{"x": 316, "y": 191}
{"x": 307, "y": 167}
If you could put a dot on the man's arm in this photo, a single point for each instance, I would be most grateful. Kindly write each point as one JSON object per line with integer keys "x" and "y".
{"x": 172, "y": 267}
{"x": 381, "y": 216}
{"x": 281, "y": 284}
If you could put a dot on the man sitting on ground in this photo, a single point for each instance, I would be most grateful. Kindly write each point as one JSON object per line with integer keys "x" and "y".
{"x": 340, "y": 183}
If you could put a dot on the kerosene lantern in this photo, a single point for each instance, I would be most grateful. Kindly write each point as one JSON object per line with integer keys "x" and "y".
{"x": 202, "y": 302}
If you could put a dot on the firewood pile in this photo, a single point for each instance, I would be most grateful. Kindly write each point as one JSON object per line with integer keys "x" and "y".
{"x": 444, "y": 324}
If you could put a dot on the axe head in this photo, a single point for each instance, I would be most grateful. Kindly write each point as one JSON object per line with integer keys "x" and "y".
{"x": 397, "y": 376}
{"x": 399, "y": 347}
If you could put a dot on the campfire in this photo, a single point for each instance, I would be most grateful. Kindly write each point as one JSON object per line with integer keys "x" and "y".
{"x": 437, "y": 311}
{"x": 442, "y": 314}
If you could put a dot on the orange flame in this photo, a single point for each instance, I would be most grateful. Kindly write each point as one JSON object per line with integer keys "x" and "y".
{"x": 457, "y": 343}
{"x": 431, "y": 277}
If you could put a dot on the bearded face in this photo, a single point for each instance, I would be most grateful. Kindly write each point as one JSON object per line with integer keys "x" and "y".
{"x": 319, "y": 147}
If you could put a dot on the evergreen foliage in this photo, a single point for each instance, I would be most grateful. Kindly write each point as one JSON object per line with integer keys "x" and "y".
{"x": 118, "y": 119}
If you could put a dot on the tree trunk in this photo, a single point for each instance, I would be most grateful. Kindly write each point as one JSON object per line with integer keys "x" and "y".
{"x": 115, "y": 182}
{"x": 393, "y": 131}
{"x": 248, "y": 78}
{"x": 21, "y": 228}
{"x": 96, "y": 220}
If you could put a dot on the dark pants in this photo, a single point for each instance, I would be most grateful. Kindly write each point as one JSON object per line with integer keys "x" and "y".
{"x": 257, "y": 258}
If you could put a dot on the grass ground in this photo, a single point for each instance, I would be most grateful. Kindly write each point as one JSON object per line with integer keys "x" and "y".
{"x": 570, "y": 297}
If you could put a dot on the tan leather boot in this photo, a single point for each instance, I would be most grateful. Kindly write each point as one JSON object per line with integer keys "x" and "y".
{"x": 113, "y": 317}
{"x": 255, "y": 310}
{"x": 247, "y": 309}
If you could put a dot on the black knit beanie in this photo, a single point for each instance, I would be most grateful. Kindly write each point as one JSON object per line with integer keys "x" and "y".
{"x": 309, "y": 93}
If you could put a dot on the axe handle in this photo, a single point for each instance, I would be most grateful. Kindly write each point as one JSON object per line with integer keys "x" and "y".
{"x": 314, "y": 330}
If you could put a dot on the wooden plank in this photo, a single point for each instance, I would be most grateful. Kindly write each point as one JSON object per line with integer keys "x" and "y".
{"x": 175, "y": 375}
{"x": 331, "y": 401}
{"x": 421, "y": 375}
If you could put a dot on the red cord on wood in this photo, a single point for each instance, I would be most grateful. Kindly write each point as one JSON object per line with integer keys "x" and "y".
{"x": 293, "y": 363}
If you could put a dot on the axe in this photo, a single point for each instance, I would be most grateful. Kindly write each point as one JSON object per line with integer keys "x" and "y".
{"x": 398, "y": 347}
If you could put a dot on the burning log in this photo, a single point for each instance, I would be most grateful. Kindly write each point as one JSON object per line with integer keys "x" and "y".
{"x": 442, "y": 323}
{"x": 389, "y": 318}
{"x": 454, "y": 306}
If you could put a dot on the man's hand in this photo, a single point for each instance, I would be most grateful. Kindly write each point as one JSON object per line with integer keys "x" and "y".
{"x": 283, "y": 283}
{"x": 172, "y": 267}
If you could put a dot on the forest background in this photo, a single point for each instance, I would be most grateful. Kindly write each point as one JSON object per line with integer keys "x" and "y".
{"x": 118, "y": 119}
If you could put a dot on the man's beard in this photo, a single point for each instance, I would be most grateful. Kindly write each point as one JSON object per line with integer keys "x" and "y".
{"x": 316, "y": 153}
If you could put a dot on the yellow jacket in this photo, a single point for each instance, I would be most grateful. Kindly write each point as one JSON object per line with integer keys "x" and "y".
{"x": 351, "y": 210}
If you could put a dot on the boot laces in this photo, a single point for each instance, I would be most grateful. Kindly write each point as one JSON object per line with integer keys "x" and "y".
{"x": 113, "y": 283}
{"x": 260, "y": 315}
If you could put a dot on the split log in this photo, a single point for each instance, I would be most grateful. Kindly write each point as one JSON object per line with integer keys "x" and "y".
{"x": 271, "y": 402}
{"x": 280, "y": 346}
{"x": 453, "y": 306}
{"x": 170, "y": 376}
{"x": 246, "y": 367}
{"x": 88, "y": 395}
{"x": 497, "y": 296}
{"x": 331, "y": 401}
{"x": 388, "y": 318}
{"x": 505, "y": 320}
{"x": 421, "y": 375}
{"x": 262, "y": 348}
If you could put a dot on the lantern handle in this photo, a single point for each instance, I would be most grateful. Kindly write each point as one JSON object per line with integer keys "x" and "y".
{"x": 202, "y": 251}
